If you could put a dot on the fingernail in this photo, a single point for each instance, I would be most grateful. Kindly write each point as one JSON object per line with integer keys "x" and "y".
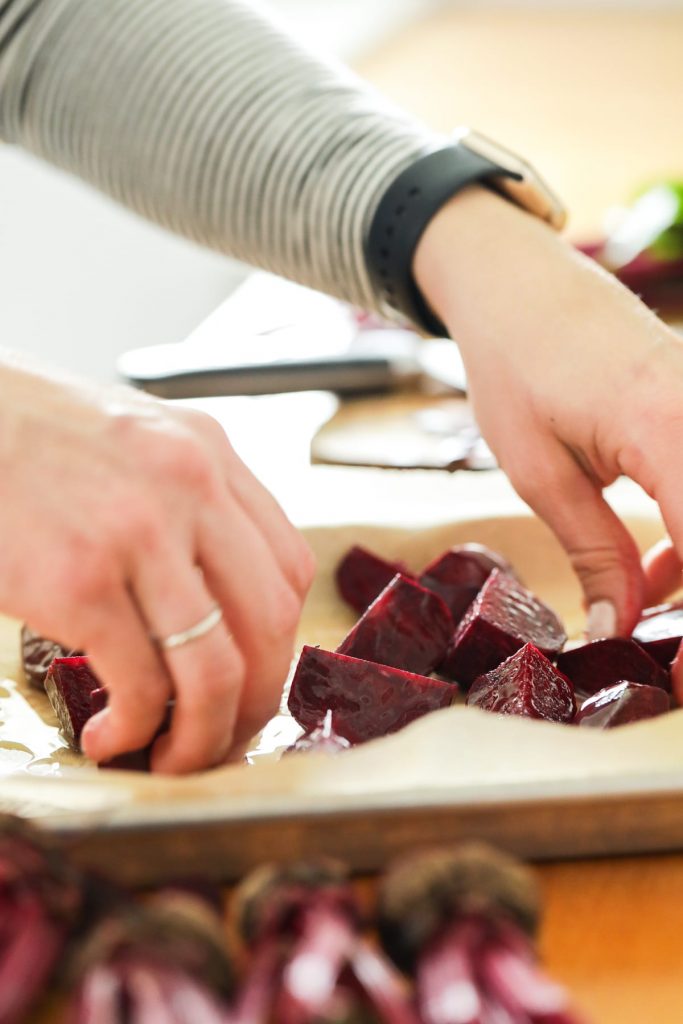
{"x": 601, "y": 621}
{"x": 93, "y": 731}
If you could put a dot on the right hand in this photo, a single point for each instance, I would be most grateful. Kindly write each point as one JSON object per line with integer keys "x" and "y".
{"x": 124, "y": 518}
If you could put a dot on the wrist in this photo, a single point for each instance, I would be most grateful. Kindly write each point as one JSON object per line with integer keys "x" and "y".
{"x": 475, "y": 253}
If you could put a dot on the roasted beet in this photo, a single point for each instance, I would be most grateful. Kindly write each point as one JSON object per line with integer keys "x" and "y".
{"x": 37, "y": 655}
{"x": 603, "y": 662}
{"x": 660, "y": 632}
{"x": 526, "y": 684}
{"x": 406, "y": 627}
{"x": 368, "y": 700}
{"x": 503, "y": 617}
{"x": 458, "y": 575}
{"x": 362, "y": 575}
{"x": 69, "y": 684}
{"x": 622, "y": 703}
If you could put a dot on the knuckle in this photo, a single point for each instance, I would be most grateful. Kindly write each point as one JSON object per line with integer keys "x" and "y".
{"x": 89, "y": 575}
{"x": 283, "y": 616}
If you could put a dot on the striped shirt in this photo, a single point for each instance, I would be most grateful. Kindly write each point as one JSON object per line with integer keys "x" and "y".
{"x": 208, "y": 118}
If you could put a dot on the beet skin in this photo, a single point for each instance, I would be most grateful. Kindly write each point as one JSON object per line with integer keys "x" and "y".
{"x": 367, "y": 700}
{"x": 504, "y": 617}
{"x": 406, "y": 627}
{"x": 526, "y": 684}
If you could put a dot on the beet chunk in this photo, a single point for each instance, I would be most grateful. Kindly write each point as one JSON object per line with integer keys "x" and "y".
{"x": 367, "y": 700}
{"x": 622, "y": 703}
{"x": 526, "y": 684}
{"x": 660, "y": 632}
{"x": 69, "y": 684}
{"x": 406, "y": 627}
{"x": 503, "y": 617}
{"x": 458, "y": 575}
{"x": 604, "y": 662}
{"x": 38, "y": 653}
{"x": 361, "y": 576}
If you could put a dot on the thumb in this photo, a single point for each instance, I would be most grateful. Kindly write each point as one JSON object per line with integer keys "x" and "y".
{"x": 602, "y": 552}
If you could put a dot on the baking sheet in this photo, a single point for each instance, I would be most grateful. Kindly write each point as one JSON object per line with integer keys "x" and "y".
{"x": 541, "y": 789}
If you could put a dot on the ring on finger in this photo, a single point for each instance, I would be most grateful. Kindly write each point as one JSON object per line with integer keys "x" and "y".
{"x": 194, "y": 632}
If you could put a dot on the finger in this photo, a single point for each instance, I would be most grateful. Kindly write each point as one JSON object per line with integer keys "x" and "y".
{"x": 128, "y": 664}
{"x": 662, "y": 568}
{"x": 261, "y": 606}
{"x": 206, "y": 672}
{"x": 287, "y": 545}
{"x": 601, "y": 550}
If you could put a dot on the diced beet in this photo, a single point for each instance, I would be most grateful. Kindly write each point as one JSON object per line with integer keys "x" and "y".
{"x": 406, "y": 627}
{"x": 362, "y": 575}
{"x": 38, "y": 653}
{"x": 368, "y": 700}
{"x": 69, "y": 684}
{"x": 459, "y": 574}
{"x": 660, "y": 632}
{"x": 604, "y": 662}
{"x": 503, "y": 617}
{"x": 625, "y": 702}
{"x": 526, "y": 684}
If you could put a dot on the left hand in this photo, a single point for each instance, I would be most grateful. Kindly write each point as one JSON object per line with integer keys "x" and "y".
{"x": 574, "y": 382}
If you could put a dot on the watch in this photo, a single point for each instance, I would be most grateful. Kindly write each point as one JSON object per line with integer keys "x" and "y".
{"x": 420, "y": 190}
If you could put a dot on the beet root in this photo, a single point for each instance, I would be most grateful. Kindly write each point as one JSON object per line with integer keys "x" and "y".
{"x": 38, "y": 653}
{"x": 526, "y": 684}
{"x": 622, "y": 703}
{"x": 362, "y": 575}
{"x": 145, "y": 963}
{"x": 69, "y": 684}
{"x": 41, "y": 904}
{"x": 660, "y": 632}
{"x": 603, "y": 662}
{"x": 458, "y": 575}
{"x": 504, "y": 617}
{"x": 367, "y": 700}
{"x": 405, "y": 627}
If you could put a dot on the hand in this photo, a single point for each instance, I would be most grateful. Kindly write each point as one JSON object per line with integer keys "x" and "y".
{"x": 573, "y": 381}
{"x": 123, "y": 519}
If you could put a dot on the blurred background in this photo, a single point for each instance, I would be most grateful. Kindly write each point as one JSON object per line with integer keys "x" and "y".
{"x": 591, "y": 92}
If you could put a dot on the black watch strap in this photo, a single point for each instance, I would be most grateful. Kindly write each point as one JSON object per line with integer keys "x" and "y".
{"x": 402, "y": 215}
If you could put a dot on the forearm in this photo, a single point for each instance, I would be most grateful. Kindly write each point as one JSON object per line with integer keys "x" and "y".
{"x": 207, "y": 118}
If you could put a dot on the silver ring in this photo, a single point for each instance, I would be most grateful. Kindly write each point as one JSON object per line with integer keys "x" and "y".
{"x": 200, "y": 628}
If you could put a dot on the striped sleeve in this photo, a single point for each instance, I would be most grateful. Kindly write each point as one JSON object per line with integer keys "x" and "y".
{"x": 208, "y": 118}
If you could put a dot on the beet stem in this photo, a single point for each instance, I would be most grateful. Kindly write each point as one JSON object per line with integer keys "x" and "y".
{"x": 381, "y": 985}
{"x": 447, "y": 988}
{"x": 315, "y": 963}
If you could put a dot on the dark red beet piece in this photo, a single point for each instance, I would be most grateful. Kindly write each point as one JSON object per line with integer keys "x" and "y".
{"x": 504, "y": 617}
{"x": 660, "y": 632}
{"x": 38, "y": 653}
{"x": 361, "y": 576}
{"x": 368, "y": 700}
{"x": 526, "y": 684}
{"x": 458, "y": 575}
{"x": 623, "y": 703}
{"x": 406, "y": 627}
{"x": 69, "y": 685}
{"x": 604, "y": 662}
